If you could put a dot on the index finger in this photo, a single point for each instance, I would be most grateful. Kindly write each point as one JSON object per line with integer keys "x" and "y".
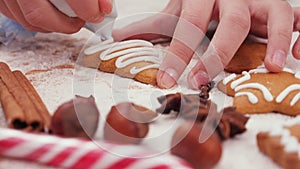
{"x": 189, "y": 32}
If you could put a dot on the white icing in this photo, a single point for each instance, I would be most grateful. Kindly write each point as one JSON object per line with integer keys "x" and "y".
{"x": 297, "y": 75}
{"x": 135, "y": 70}
{"x": 291, "y": 144}
{"x": 127, "y": 53}
{"x": 285, "y": 135}
{"x": 229, "y": 78}
{"x": 260, "y": 70}
{"x": 98, "y": 47}
{"x": 289, "y": 141}
{"x": 276, "y": 131}
{"x": 135, "y": 57}
{"x": 286, "y": 91}
{"x": 266, "y": 93}
{"x": 295, "y": 99}
{"x": 288, "y": 70}
{"x": 110, "y": 54}
{"x": 235, "y": 83}
{"x": 264, "y": 70}
{"x": 251, "y": 97}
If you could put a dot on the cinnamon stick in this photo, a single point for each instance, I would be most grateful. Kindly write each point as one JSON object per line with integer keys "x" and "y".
{"x": 36, "y": 99}
{"x": 12, "y": 110}
{"x": 32, "y": 116}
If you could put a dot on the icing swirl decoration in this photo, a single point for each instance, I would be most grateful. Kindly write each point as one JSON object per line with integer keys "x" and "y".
{"x": 259, "y": 92}
{"x": 128, "y": 53}
{"x": 267, "y": 94}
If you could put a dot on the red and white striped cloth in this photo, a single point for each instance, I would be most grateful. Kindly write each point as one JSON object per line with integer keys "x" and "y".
{"x": 80, "y": 154}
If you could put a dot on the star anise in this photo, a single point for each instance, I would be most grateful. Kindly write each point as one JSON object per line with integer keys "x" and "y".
{"x": 193, "y": 106}
{"x": 232, "y": 123}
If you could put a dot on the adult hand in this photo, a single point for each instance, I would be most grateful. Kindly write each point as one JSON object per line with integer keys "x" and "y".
{"x": 268, "y": 18}
{"x": 42, "y": 16}
{"x": 296, "y": 47}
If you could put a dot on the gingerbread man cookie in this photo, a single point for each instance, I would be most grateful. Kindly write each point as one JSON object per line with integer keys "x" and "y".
{"x": 281, "y": 144}
{"x": 137, "y": 59}
{"x": 259, "y": 91}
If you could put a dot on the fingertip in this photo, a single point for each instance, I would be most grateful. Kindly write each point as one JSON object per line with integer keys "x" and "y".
{"x": 166, "y": 78}
{"x": 296, "y": 49}
{"x": 276, "y": 61}
{"x": 106, "y": 6}
{"x": 197, "y": 79}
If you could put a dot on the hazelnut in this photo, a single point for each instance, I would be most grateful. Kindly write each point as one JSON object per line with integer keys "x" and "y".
{"x": 185, "y": 144}
{"x": 127, "y": 123}
{"x": 76, "y": 118}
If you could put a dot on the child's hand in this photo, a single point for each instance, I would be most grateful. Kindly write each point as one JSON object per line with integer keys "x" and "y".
{"x": 42, "y": 16}
{"x": 268, "y": 18}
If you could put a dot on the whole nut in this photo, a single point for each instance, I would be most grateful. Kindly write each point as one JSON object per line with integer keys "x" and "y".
{"x": 78, "y": 117}
{"x": 185, "y": 144}
{"x": 127, "y": 123}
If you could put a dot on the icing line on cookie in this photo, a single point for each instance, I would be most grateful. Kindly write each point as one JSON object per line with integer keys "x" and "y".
{"x": 260, "y": 70}
{"x": 235, "y": 83}
{"x": 251, "y": 97}
{"x": 266, "y": 93}
{"x": 264, "y": 70}
{"x": 135, "y": 70}
{"x": 286, "y": 91}
{"x": 295, "y": 99}
{"x": 126, "y": 51}
{"x": 99, "y": 47}
{"x": 123, "y": 62}
{"x": 288, "y": 70}
{"x": 229, "y": 78}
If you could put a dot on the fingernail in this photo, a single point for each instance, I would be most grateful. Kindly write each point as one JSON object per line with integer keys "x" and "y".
{"x": 168, "y": 78}
{"x": 278, "y": 58}
{"x": 96, "y": 19}
{"x": 199, "y": 78}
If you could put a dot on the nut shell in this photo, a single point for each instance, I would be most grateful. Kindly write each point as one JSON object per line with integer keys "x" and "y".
{"x": 127, "y": 123}
{"x": 78, "y": 117}
{"x": 185, "y": 144}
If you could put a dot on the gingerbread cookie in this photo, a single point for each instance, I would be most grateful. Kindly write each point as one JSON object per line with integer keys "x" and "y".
{"x": 281, "y": 144}
{"x": 136, "y": 59}
{"x": 259, "y": 91}
{"x": 249, "y": 56}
